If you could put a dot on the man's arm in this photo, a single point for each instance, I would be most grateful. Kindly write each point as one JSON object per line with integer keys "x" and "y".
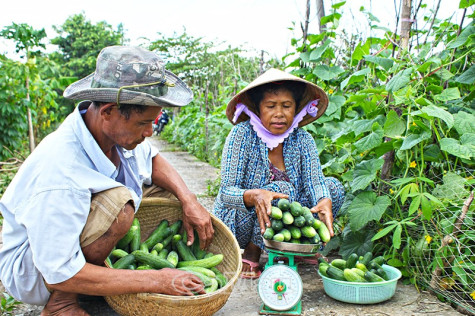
{"x": 195, "y": 215}
{"x": 96, "y": 280}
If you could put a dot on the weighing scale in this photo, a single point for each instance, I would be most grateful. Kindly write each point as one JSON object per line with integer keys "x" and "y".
{"x": 280, "y": 286}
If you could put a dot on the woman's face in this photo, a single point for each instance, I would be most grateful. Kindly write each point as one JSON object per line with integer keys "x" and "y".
{"x": 277, "y": 111}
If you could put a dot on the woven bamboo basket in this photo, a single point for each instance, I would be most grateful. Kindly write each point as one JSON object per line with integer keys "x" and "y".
{"x": 150, "y": 213}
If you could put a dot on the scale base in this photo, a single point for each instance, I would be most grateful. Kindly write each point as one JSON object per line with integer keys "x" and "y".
{"x": 296, "y": 310}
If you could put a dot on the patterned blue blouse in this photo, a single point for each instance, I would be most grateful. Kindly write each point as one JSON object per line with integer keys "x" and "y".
{"x": 245, "y": 165}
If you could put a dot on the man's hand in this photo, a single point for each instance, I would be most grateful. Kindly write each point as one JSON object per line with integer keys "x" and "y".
{"x": 196, "y": 217}
{"x": 261, "y": 200}
{"x": 324, "y": 210}
{"x": 178, "y": 282}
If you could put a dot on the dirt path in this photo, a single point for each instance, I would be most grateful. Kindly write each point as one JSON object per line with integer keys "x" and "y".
{"x": 244, "y": 299}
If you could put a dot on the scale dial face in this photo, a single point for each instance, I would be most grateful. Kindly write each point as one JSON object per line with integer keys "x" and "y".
{"x": 280, "y": 287}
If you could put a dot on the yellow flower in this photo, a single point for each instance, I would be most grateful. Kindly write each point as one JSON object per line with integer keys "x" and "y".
{"x": 414, "y": 123}
{"x": 473, "y": 295}
{"x": 428, "y": 238}
{"x": 330, "y": 91}
{"x": 413, "y": 164}
{"x": 391, "y": 191}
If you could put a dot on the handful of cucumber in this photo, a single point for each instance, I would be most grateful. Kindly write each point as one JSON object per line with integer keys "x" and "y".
{"x": 294, "y": 223}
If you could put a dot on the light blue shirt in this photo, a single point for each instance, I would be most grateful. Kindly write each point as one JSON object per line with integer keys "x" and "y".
{"x": 46, "y": 205}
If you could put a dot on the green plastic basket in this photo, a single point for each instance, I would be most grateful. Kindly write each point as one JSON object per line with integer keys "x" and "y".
{"x": 362, "y": 293}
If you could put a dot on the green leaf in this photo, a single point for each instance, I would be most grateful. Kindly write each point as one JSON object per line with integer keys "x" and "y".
{"x": 362, "y": 126}
{"x": 370, "y": 141}
{"x": 325, "y": 72}
{"x": 367, "y": 206}
{"x": 356, "y": 77}
{"x": 317, "y": 53}
{"x": 415, "y": 203}
{"x": 414, "y": 139}
{"x": 358, "y": 242}
{"x": 464, "y": 123}
{"x": 400, "y": 80}
{"x": 435, "y": 111}
{"x": 397, "y": 237}
{"x": 426, "y": 208}
{"x": 465, "y": 148}
{"x": 453, "y": 188}
{"x": 394, "y": 125}
{"x": 468, "y": 77}
{"x": 338, "y": 5}
{"x": 364, "y": 173}
{"x": 383, "y": 232}
{"x": 385, "y": 63}
{"x": 360, "y": 51}
{"x": 463, "y": 37}
{"x": 444, "y": 74}
{"x": 466, "y": 3}
{"x": 448, "y": 95}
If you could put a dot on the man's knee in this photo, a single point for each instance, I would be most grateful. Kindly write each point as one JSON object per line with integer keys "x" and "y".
{"x": 110, "y": 209}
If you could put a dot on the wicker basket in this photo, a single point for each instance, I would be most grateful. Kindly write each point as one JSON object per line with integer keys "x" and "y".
{"x": 150, "y": 213}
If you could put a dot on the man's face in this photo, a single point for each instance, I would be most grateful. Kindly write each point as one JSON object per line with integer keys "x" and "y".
{"x": 128, "y": 133}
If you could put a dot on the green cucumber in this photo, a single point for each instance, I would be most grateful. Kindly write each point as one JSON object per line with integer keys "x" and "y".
{"x": 361, "y": 266}
{"x": 339, "y": 263}
{"x": 378, "y": 260}
{"x": 366, "y": 258}
{"x": 276, "y": 224}
{"x": 269, "y": 233}
{"x": 287, "y": 218}
{"x": 124, "y": 262}
{"x": 206, "y": 279}
{"x": 335, "y": 273}
{"x": 154, "y": 252}
{"x": 382, "y": 273}
{"x": 358, "y": 271}
{"x": 299, "y": 221}
{"x": 167, "y": 241}
{"x": 276, "y": 213}
{"x": 213, "y": 287}
{"x": 142, "y": 247}
{"x": 205, "y": 263}
{"x": 144, "y": 267}
{"x": 317, "y": 223}
{"x": 286, "y": 233}
{"x": 308, "y": 231}
{"x": 352, "y": 276}
{"x": 135, "y": 242}
{"x": 160, "y": 233}
{"x": 184, "y": 251}
{"x": 119, "y": 253}
{"x": 222, "y": 280}
{"x": 296, "y": 209}
{"x": 175, "y": 227}
{"x": 124, "y": 241}
{"x": 283, "y": 204}
{"x": 351, "y": 261}
{"x": 372, "y": 277}
{"x": 295, "y": 232}
{"x": 195, "y": 247}
{"x": 153, "y": 261}
{"x": 278, "y": 237}
{"x": 162, "y": 254}
{"x": 158, "y": 247}
{"x": 309, "y": 219}
{"x": 172, "y": 257}
{"x": 205, "y": 271}
{"x": 322, "y": 268}
{"x": 324, "y": 233}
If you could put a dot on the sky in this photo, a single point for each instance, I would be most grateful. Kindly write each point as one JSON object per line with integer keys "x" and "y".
{"x": 253, "y": 24}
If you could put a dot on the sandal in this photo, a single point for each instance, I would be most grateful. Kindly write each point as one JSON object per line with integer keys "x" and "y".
{"x": 253, "y": 274}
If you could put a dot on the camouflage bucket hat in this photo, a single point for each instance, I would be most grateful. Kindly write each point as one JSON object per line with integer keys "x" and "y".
{"x": 131, "y": 75}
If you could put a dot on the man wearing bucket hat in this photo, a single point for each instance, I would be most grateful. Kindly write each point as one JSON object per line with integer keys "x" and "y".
{"x": 267, "y": 156}
{"x": 75, "y": 196}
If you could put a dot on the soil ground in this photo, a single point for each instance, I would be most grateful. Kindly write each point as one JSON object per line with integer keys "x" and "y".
{"x": 244, "y": 299}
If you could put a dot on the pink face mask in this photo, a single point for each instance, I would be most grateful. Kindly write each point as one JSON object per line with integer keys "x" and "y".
{"x": 271, "y": 140}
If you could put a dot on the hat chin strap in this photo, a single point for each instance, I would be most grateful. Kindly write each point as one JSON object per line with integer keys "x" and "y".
{"x": 161, "y": 82}
{"x": 272, "y": 140}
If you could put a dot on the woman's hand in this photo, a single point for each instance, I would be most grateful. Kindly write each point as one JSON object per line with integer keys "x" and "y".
{"x": 261, "y": 200}
{"x": 324, "y": 211}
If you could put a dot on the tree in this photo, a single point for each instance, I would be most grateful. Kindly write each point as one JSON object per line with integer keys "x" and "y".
{"x": 79, "y": 42}
{"x": 26, "y": 40}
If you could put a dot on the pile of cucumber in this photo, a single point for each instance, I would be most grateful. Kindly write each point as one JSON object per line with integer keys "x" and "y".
{"x": 355, "y": 268}
{"x": 294, "y": 223}
{"x": 166, "y": 248}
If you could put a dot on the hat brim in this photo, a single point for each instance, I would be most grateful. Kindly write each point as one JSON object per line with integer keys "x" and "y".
{"x": 177, "y": 96}
{"x": 312, "y": 92}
